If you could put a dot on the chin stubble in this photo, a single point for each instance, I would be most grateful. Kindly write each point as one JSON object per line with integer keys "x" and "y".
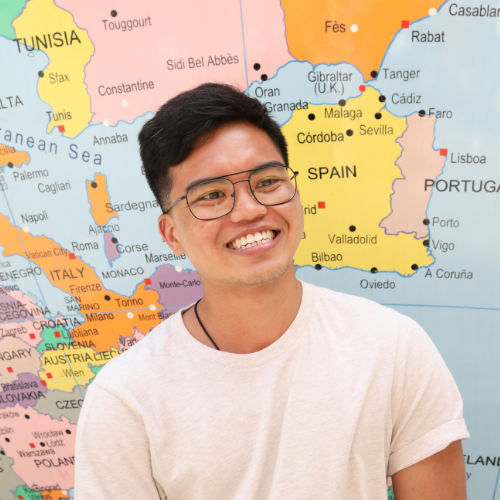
{"x": 260, "y": 278}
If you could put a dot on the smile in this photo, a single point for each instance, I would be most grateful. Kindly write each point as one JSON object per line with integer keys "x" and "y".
{"x": 253, "y": 239}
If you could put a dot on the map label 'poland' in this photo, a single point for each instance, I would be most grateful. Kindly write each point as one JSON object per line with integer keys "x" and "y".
{"x": 345, "y": 156}
{"x": 44, "y": 26}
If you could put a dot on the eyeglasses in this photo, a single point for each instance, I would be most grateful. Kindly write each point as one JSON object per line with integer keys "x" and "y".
{"x": 272, "y": 184}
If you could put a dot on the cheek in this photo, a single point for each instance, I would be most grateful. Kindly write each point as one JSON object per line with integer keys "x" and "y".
{"x": 197, "y": 236}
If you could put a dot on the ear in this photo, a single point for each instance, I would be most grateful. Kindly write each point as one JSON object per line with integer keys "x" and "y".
{"x": 169, "y": 234}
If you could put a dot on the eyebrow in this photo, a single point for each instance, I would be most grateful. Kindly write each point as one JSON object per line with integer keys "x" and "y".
{"x": 273, "y": 163}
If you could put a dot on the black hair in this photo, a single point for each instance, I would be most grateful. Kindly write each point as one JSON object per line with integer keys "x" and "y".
{"x": 170, "y": 136}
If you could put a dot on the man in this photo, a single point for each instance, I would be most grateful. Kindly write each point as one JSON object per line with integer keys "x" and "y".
{"x": 269, "y": 387}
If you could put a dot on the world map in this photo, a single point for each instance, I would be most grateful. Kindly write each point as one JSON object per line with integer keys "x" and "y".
{"x": 390, "y": 110}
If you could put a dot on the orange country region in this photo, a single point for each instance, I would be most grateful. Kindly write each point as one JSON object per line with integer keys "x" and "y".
{"x": 108, "y": 315}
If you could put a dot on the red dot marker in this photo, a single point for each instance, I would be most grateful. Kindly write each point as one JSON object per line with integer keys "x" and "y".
{"x": 49, "y": 375}
{"x": 32, "y": 336}
{"x": 9, "y": 369}
{"x": 32, "y": 445}
{"x": 321, "y": 204}
{"x": 61, "y": 128}
{"x": 443, "y": 152}
{"x": 43, "y": 382}
{"x": 362, "y": 88}
{"x": 57, "y": 335}
{"x": 72, "y": 256}
{"x": 147, "y": 281}
{"x": 405, "y": 24}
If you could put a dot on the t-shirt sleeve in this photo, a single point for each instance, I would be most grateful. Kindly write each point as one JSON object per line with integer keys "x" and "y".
{"x": 427, "y": 409}
{"x": 112, "y": 457}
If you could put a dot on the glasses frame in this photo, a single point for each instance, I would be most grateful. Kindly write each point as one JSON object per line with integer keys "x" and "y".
{"x": 253, "y": 170}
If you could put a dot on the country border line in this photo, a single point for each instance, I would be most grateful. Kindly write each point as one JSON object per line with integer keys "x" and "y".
{"x": 244, "y": 48}
{"x": 443, "y": 306}
{"x": 38, "y": 284}
{"x": 496, "y": 484}
{"x": 94, "y": 312}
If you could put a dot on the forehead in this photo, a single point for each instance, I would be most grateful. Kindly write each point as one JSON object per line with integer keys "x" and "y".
{"x": 231, "y": 148}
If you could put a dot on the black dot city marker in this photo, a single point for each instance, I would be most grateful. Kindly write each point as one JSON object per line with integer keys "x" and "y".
{"x": 256, "y": 66}
{"x": 94, "y": 185}
{"x": 374, "y": 270}
{"x": 414, "y": 267}
{"x": 107, "y": 297}
{"x": 8, "y": 440}
{"x": 318, "y": 266}
{"x": 342, "y": 102}
{"x": 41, "y": 74}
{"x": 349, "y": 132}
{"x": 27, "y": 416}
{"x": 378, "y": 116}
{"x": 426, "y": 243}
{"x": 374, "y": 74}
{"x": 311, "y": 116}
{"x": 381, "y": 98}
{"x": 114, "y": 240}
{"x": 68, "y": 431}
{"x": 2, "y": 452}
{"x": 263, "y": 77}
{"x": 426, "y": 222}
{"x": 114, "y": 13}
{"x": 42, "y": 444}
{"x": 421, "y": 112}
{"x": 352, "y": 229}
{"x": 10, "y": 164}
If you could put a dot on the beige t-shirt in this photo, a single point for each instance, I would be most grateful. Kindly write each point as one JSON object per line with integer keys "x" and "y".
{"x": 351, "y": 393}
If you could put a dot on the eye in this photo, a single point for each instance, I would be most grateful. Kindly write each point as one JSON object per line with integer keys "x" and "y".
{"x": 267, "y": 182}
{"x": 214, "y": 195}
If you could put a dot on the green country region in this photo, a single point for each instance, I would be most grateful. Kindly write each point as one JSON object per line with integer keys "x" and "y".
{"x": 53, "y": 337}
{"x": 9, "y": 10}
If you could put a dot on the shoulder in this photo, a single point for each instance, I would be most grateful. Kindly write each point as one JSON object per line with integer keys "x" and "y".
{"x": 356, "y": 316}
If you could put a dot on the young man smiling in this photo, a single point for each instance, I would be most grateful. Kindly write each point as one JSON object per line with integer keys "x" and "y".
{"x": 269, "y": 387}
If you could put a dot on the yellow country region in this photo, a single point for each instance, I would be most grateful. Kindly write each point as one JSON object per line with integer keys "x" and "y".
{"x": 46, "y": 27}
{"x": 345, "y": 158}
{"x": 69, "y": 365}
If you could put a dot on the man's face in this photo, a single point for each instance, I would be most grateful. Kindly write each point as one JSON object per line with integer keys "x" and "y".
{"x": 208, "y": 243}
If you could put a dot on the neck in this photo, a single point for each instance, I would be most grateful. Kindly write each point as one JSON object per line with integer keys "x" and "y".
{"x": 243, "y": 320}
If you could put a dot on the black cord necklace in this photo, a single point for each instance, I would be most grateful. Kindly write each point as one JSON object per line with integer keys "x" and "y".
{"x": 201, "y": 324}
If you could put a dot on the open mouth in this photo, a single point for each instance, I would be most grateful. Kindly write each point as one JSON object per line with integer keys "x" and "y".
{"x": 253, "y": 239}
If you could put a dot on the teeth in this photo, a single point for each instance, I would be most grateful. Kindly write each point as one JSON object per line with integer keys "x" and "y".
{"x": 251, "y": 240}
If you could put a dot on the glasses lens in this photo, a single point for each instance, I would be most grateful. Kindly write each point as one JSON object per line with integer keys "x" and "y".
{"x": 211, "y": 199}
{"x": 273, "y": 185}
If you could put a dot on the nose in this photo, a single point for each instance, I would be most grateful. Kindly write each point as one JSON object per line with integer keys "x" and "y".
{"x": 246, "y": 207}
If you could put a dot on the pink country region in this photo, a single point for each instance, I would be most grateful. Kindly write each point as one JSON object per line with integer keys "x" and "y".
{"x": 24, "y": 319}
{"x": 43, "y": 447}
{"x": 418, "y": 161}
{"x": 153, "y": 50}
{"x": 265, "y": 38}
{"x": 127, "y": 342}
